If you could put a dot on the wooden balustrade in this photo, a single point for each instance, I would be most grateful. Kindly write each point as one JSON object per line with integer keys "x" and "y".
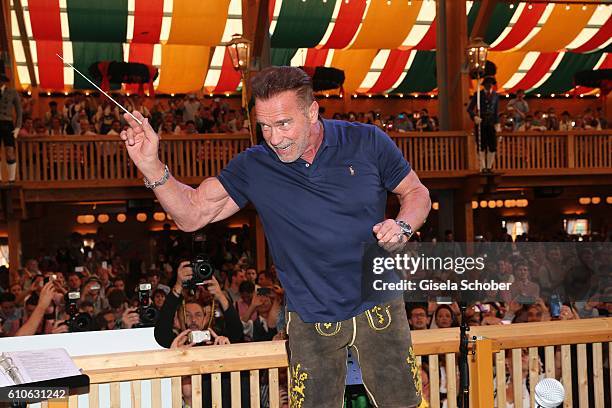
{"x": 90, "y": 161}
{"x": 578, "y": 346}
{"x": 555, "y": 152}
{"x": 440, "y": 153}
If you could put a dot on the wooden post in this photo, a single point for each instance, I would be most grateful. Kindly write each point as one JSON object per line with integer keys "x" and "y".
{"x": 451, "y": 43}
{"x": 14, "y": 239}
{"x": 260, "y": 242}
{"x": 571, "y": 151}
{"x": 464, "y": 220}
{"x": 481, "y": 373}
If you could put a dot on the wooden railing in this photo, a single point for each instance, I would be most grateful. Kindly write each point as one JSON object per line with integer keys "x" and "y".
{"x": 439, "y": 345}
{"x": 575, "y": 152}
{"x": 102, "y": 160}
{"x": 431, "y": 153}
{"x": 83, "y": 161}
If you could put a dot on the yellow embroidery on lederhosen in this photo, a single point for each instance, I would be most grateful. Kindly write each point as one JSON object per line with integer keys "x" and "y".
{"x": 382, "y": 322}
{"x": 296, "y": 394}
{"x": 414, "y": 370}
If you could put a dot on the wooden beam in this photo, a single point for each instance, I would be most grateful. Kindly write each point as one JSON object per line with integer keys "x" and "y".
{"x": 25, "y": 42}
{"x": 14, "y": 238}
{"x": 451, "y": 43}
{"x": 256, "y": 27}
{"x": 482, "y": 19}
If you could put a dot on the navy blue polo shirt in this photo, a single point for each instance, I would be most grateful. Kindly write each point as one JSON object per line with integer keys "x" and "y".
{"x": 317, "y": 216}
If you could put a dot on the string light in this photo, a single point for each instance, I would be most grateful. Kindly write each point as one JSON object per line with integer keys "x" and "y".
{"x": 511, "y": 6}
{"x": 530, "y": 6}
{"x": 48, "y": 93}
{"x": 369, "y": 95}
{"x": 567, "y": 7}
{"x": 552, "y": 95}
{"x": 386, "y": 95}
{"x": 409, "y": 3}
{"x": 584, "y": 7}
{"x": 538, "y": 95}
{"x": 388, "y": 2}
{"x": 401, "y": 95}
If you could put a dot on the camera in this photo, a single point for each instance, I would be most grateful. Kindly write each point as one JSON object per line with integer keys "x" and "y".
{"x": 77, "y": 321}
{"x": 49, "y": 278}
{"x": 202, "y": 271}
{"x": 148, "y": 314}
{"x": 263, "y": 291}
{"x": 198, "y": 336}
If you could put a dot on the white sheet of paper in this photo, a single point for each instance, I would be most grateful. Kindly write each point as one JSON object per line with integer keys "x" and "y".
{"x": 41, "y": 365}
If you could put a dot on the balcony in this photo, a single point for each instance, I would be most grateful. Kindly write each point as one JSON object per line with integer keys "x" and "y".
{"x": 443, "y": 159}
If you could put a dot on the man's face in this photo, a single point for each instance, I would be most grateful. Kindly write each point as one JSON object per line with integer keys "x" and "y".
{"x": 196, "y": 317}
{"x": 266, "y": 305}
{"x": 159, "y": 299}
{"x": 522, "y": 272}
{"x": 7, "y": 308}
{"x": 74, "y": 282}
{"x": 109, "y": 318}
{"x": 32, "y": 265}
{"x": 116, "y": 126}
{"x": 286, "y": 124}
{"x": 418, "y": 319}
{"x": 16, "y": 290}
{"x": 119, "y": 284}
{"x": 534, "y": 314}
{"x": 251, "y": 274}
{"x": 154, "y": 280}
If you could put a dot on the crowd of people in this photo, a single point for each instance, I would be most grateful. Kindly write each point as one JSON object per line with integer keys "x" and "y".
{"x": 241, "y": 304}
{"x": 89, "y": 115}
{"x": 519, "y": 118}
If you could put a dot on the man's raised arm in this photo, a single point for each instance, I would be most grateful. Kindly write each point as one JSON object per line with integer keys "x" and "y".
{"x": 190, "y": 208}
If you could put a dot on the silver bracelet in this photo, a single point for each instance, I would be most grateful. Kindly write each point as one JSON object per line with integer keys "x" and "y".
{"x": 159, "y": 182}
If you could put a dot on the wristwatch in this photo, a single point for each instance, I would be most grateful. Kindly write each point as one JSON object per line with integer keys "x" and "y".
{"x": 161, "y": 181}
{"x": 405, "y": 227}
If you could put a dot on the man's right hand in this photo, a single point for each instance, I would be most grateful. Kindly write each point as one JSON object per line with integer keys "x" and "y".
{"x": 142, "y": 144}
{"x": 183, "y": 274}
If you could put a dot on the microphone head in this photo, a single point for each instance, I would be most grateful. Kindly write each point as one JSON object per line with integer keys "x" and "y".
{"x": 549, "y": 393}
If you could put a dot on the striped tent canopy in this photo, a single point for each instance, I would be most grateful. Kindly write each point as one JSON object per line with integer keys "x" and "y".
{"x": 384, "y": 46}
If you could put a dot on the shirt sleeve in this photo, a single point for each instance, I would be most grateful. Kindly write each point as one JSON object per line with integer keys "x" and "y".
{"x": 392, "y": 165}
{"x": 234, "y": 178}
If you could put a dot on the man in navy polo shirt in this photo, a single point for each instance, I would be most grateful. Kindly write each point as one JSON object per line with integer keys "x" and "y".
{"x": 320, "y": 188}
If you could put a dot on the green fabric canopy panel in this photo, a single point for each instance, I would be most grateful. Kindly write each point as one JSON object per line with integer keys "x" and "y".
{"x": 86, "y": 53}
{"x": 562, "y": 78}
{"x": 471, "y": 18}
{"x": 98, "y": 21}
{"x": 502, "y": 14}
{"x": 302, "y": 24}
{"x": 282, "y": 56}
{"x": 421, "y": 76}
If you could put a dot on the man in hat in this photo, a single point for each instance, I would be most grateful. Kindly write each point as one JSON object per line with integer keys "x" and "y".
{"x": 486, "y": 123}
{"x": 9, "y": 100}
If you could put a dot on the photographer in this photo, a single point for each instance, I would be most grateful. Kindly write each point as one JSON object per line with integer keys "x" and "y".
{"x": 33, "y": 324}
{"x": 199, "y": 318}
{"x": 164, "y": 334}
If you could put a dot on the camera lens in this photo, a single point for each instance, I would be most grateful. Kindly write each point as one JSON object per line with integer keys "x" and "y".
{"x": 205, "y": 269}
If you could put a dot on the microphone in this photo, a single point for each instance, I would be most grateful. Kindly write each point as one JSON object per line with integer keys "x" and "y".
{"x": 549, "y": 393}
